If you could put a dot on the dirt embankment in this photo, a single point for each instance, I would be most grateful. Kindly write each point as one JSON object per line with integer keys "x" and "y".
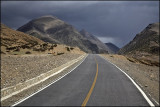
{"x": 147, "y": 76}
{"x": 16, "y": 69}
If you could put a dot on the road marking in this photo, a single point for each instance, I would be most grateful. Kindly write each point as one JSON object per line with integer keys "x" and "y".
{"x": 43, "y": 79}
{"x": 20, "y": 101}
{"x": 92, "y": 87}
{"x": 141, "y": 91}
{"x": 155, "y": 101}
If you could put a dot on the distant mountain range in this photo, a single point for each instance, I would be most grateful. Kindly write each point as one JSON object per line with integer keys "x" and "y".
{"x": 146, "y": 41}
{"x": 101, "y": 46}
{"x": 53, "y": 30}
{"x": 112, "y": 47}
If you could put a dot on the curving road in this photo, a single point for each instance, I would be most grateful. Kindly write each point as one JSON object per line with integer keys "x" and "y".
{"x": 95, "y": 82}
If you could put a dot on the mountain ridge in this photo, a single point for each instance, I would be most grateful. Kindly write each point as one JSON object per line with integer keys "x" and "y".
{"x": 144, "y": 48}
{"x": 18, "y": 43}
{"x": 113, "y": 47}
{"x": 145, "y": 41}
{"x": 94, "y": 40}
{"x": 53, "y": 30}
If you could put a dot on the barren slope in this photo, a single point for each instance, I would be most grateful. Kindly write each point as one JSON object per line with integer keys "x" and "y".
{"x": 53, "y": 30}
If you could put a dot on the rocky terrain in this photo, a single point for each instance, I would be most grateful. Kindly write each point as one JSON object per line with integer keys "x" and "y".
{"x": 145, "y": 41}
{"x": 18, "y": 43}
{"x": 24, "y": 56}
{"x": 16, "y": 69}
{"x": 12, "y": 40}
{"x": 145, "y": 46}
{"x": 53, "y": 30}
{"x": 146, "y": 76}
{"x": 114, "y": 49}
{"x": 101, "y": 46}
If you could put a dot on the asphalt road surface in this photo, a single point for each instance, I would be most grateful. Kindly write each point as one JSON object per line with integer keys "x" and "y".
{"x": 95, "y": 82}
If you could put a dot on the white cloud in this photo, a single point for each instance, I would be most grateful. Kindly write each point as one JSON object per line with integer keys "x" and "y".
{"x": 115, "y": 40}
{"x": 107, "y": 39}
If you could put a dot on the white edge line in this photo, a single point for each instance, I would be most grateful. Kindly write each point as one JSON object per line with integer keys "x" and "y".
{"x": 155, "y": 101}
{"x": 47, "y": 85}
{"x": 16, "y": 92}
{"x": 142, "y": 92}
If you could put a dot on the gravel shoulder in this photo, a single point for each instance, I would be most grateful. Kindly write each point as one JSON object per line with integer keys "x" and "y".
{"x": 24, "y": 94}
{"x": 17, "y": 69}
{"x": 147, "y": 76}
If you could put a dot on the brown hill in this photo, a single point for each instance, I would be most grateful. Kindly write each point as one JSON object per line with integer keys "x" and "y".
{"x": 11, "y": 37}
{"x": 145, "y": 46}
{"x": 145, "y": 41}
{"x": 12, "y": 40}
{"x": 15, "y": 43}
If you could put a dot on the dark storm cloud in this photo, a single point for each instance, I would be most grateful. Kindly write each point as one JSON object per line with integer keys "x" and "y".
{"x": 114, "y": 21}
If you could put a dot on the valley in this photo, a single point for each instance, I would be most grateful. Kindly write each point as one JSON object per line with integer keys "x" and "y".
{"x": 47, "y": 58}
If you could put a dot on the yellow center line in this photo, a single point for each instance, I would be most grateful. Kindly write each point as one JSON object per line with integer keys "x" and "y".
{"x": 92, "y": 87}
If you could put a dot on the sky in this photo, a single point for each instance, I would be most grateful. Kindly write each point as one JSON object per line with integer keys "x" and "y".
{"x": 117, "y": 22}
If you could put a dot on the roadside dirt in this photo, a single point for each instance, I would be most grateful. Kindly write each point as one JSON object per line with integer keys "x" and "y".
{"x": 147, "y": 76}
{"x": 16, "y": 98}
{"x": 19, "y": 68}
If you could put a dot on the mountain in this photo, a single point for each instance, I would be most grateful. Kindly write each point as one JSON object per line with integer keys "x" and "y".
{"x": 13, "y": 40}
{"x": 146, "y": 41}
{"x": 11, "y": 37}
{"x": 102, "y": 47}
{"x": 18, "y": 43}
{"x": 53, "y": 30}
{"x": 112, "y": 47}
{"x": 144, "y": 48}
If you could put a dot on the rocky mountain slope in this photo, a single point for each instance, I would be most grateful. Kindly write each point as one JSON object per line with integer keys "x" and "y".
{"x": 11, "y": 37}
{"x": 18, "y": 43}
{"x": 112, "y": 47}
{"x": 14, "y": 40}
{"x": 145, "y": 41}
{"x": 53, "y": 30}
{"x": 144, "y": 48}
{"x": 94, "y": 40}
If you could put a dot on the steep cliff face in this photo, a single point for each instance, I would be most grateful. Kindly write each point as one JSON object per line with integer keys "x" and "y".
{"x": 53, "y": 30}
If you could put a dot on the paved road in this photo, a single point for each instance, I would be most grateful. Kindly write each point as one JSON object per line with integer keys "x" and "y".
{"x": 111, "y": 88}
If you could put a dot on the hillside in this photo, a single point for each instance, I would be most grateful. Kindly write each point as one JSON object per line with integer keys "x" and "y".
{"x": 53, "y": 30}
{"x": 112, "y": 47}
{"x": 12, "y": 40}
{"x": 15, "y": 43}
{"x": 102, "y": 47}
{"x": 11, "y": 37}
{"x": 145, "y": 41}
{"x": 145, "y": 46}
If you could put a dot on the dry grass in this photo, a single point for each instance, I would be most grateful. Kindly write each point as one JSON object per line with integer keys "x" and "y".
{"x": 18, "y": 43}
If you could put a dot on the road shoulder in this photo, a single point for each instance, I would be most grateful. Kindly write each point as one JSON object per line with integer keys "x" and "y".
{"x": 25, "y": 93}
{"x": 140, "y": 73}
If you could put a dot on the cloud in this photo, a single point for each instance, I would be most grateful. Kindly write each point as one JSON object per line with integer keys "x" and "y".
{"x": 107, "y": 39}
{"x": 121, "y": 20}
